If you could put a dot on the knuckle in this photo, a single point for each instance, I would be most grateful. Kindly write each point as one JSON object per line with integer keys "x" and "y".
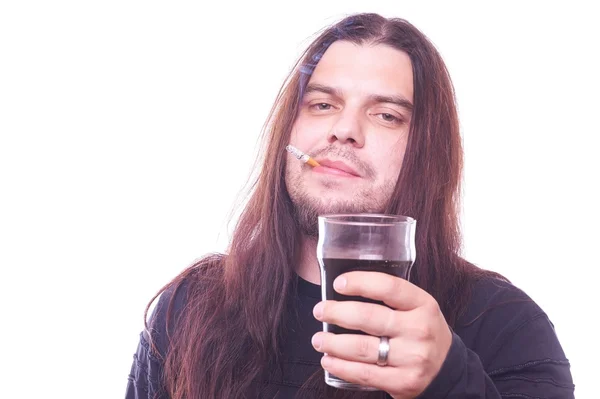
{"x": 426, "y": 332}
{"x": 419, "y": 359}
{"x": 365, "y": 376}
{"x": 432, "y": 309}
{"x": 396, "y": 287}
{"x": 367, "y": 314}
{"x": 389, "y": 328}
{"x": 418, "y": 375}
{"x": 411, "y": 383}
{"x": 364, "y": 347}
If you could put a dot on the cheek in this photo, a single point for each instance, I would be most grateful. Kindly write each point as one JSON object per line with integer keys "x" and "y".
{"x": 305, "y": 134}
{"x": 394, "y": 155}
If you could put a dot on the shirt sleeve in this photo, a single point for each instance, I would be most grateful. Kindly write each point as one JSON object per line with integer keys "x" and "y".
{"x": 144, "y": 381}
{"x": 530, "y": 364}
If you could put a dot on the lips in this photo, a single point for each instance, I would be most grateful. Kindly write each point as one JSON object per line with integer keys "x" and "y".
{"x": 339, "y": 166}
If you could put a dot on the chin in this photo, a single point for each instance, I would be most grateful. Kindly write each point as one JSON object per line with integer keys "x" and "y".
{"x": 309, "y": 204}
{"x": 341, "y": 204}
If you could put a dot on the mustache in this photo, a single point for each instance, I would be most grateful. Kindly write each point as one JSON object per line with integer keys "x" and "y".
{"x": 342, "y": 153}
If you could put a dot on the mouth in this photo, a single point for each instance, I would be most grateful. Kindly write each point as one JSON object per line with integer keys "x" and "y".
{"x": 337, "y": 168}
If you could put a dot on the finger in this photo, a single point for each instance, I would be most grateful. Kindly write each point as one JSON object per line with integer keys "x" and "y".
{"x": 392, "y": 380}
{"x": 370, "y": 318}
{"x": 353, "y": 347}
{"x": 395, "y": 292}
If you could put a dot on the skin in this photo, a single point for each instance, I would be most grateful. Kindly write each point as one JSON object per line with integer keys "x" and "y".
{"x": 342, "y": 118}
{"x": 350, "y": 125}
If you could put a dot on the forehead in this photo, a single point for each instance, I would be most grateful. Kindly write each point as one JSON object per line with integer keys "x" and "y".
{"x": 365, "y": 68}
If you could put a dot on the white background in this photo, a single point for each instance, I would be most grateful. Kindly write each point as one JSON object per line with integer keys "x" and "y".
{"x": 129, "y": 127}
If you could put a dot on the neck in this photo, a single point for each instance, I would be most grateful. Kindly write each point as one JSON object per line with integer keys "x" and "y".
{"x": 308, "y": 267}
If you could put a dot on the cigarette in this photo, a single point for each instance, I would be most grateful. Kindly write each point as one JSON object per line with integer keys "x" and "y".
{"x": 301, "y": 156}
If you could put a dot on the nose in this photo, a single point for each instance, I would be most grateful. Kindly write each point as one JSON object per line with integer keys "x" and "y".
{"x": 347, "y": 129}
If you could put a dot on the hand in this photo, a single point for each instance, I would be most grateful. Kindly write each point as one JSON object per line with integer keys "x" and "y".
{"x": 419, "y": 336}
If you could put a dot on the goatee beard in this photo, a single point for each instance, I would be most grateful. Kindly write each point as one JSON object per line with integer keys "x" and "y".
{"x": 307, "y": 211}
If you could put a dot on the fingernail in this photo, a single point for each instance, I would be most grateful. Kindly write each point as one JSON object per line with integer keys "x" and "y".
{"x": 316, "y": 341}
{"x": 339, "y": 283}
{"x": 326, "y": 361}
{"x": 318, "y": 310}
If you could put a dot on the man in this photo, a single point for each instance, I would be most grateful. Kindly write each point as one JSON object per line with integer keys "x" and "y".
{"x": 372, "y": 102}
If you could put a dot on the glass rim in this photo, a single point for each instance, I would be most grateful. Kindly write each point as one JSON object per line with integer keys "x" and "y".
{"x": 363, "y": 219}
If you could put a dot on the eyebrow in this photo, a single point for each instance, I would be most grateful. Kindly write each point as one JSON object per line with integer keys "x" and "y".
{"x": 377, "y": 98}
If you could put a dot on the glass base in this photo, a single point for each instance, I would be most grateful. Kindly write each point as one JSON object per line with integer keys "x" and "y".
{"x": 336, "y": 382}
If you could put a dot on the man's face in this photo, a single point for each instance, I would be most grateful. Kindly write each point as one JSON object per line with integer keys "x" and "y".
{"x": 354, "y": 120}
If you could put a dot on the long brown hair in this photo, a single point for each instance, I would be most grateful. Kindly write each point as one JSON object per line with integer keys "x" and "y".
{"x": 231, "y": 326}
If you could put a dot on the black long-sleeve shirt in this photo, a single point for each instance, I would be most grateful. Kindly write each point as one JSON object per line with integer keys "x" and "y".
{"x": 504, "y": 346}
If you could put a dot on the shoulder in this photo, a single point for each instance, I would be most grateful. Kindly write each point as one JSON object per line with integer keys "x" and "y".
{"x": 173, "y": 301}
{"x": 163, "y": 314}
{"x": 145, "y": 377}
{"x": 170, "y": 307}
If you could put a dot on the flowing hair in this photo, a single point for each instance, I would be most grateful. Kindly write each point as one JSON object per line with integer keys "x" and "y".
{"x": 236, "y": 305}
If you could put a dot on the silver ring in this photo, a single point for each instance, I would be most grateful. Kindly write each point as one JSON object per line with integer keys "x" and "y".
{"x": 384, "y": 350}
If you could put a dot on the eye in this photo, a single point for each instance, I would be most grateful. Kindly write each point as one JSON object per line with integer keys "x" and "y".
{"x": 389, "y": 118}
{"x": 322, "y": 106}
